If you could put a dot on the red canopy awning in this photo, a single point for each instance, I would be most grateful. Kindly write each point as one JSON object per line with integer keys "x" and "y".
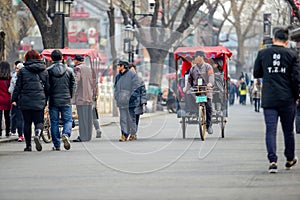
{"x": 211, "y": 51}
{"x": 70, "y": 53}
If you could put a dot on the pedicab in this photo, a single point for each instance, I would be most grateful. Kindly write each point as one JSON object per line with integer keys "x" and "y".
{"x": 183, "y": 56}
{"x": 92, "y": 60}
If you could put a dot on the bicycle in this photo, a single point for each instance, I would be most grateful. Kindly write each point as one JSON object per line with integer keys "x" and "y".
{"x": 46, "y": 134}
{"x": 201, "y": 99}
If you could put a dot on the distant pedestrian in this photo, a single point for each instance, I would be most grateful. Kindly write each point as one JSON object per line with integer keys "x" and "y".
{"x": 280, "y": 69}
{"x": 31, "y": 94}
{"x": 232, "y": 92}
{"x": 17, "y": 122}
{"x": 256, "y": 94}
{"x": 243, "y": 91}
{"x": 62, "y": 88}
{"x": 125, "y": 93}
{"x": 83, "y": 99}
{"x": 5, "y": 104}
{"x": 141, "y": 101}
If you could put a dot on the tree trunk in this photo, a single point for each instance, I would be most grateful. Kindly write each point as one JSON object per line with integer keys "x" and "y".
{"x": 240, "y": 58}
{"x": 2, "y": 45}
{"x": 51, "y": 32}
{"x": 111, "y": 17}
{"x": 157, "y": 58}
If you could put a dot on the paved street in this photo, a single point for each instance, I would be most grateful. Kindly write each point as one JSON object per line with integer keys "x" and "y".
{"x": 159, "y": 165}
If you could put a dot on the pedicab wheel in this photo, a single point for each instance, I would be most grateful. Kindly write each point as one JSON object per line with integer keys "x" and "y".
{"x": 183, "y": 126}
{"x": 202, "y": 122}
{"x": 46, "y": 134}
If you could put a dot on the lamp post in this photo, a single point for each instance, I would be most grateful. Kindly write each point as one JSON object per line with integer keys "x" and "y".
{"x": 128, "y": 41}
{"x": 63, "y": 7}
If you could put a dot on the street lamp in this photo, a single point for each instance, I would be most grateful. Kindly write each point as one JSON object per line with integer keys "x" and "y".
{"x": 128, "y": 42}
{"x": 63, "y": 7}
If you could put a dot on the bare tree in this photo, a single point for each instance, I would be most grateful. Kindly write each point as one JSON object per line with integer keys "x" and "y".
{"x": 295, "y": 8}
{"x": 9, "y": 21}
{"x": 244, "y": 13}
{"x": 49, "y": 24}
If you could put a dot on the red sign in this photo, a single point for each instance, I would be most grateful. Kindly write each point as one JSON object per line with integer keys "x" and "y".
{"x": 79, "y": 15}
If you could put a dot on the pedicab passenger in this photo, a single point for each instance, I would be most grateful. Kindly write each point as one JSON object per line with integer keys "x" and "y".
{"x": 219, "y": 86}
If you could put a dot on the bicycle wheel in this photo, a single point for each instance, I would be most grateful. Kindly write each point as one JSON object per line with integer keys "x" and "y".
{"x": 183, "y": 126}
{"x": 46, "y": 134}
{"x": 202, "y": 122}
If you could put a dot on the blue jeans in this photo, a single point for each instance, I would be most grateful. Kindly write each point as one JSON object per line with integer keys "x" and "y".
{"x": 66, "y": 118}
{"x": 287, "y": 116}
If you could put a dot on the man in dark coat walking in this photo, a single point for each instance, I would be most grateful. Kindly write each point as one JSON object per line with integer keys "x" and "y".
{"x": 62, "y": 82}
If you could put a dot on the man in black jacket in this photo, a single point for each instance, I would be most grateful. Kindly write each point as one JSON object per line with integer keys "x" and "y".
{"x": 279, "y": 67}
{"x": 62, "y": 82}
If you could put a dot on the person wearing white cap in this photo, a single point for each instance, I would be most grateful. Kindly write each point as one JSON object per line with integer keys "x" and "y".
{"x": 17, "y": 122}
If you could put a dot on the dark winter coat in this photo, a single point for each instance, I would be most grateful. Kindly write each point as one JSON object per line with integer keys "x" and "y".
{"x": 62, "y": 82}
{"x": 279, "y": 67}
{"x": 141, "y": 97}
{"x": 125, "y": 89}
{"x": 32, "y": 86}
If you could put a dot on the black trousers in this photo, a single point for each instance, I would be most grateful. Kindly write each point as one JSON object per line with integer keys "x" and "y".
{"x": 29, "y": 116}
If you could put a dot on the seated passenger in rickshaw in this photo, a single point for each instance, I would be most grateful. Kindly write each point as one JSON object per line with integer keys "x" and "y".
{"x": 202, "y": 70}
{"x": 219, "y": 88}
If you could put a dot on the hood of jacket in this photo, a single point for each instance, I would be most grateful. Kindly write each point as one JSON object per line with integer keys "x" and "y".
{"x": 35, "y": 66}
{"x": 57, "y": 69}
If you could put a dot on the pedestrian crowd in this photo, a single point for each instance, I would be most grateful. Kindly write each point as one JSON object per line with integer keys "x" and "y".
{"x": 31, "y": 87}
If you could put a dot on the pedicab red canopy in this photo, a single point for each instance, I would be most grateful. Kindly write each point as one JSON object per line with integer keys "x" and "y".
{"x": 210, "y": 51}
{"x": 92, "y": 60}
{"x": 70, "y": 53}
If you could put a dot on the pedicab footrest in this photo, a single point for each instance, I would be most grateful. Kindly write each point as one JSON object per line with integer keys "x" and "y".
{"x": 201, "y": 99}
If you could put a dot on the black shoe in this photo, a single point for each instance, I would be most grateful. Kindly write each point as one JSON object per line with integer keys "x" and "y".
{"x": 290, "y": 164}
{"x": 77, "y": 140}
{"x": 28, "y": 148}
{"x": 273, "y": 168}
{"x": 38, "y": 144}
{"x": 98, "y": 133}
{"x": 66, "y": 141}
{"x": 55, "y": 148}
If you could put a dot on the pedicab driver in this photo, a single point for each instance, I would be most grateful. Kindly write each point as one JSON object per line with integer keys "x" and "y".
{"x": 204, "y": 70}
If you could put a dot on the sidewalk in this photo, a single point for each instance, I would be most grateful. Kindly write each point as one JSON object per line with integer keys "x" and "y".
{"x": 105, "y": 120}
